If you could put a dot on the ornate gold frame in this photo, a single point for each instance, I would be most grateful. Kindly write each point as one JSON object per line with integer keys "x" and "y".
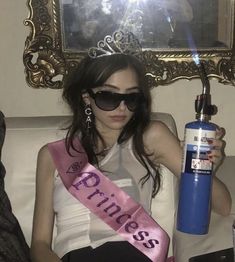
{"x": 48, "y": 66}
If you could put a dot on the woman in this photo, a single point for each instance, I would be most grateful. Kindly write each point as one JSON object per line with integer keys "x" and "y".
{"x": 111, "y": 103}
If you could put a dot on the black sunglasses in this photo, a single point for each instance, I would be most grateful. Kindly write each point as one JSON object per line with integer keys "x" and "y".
{"x": 109, "y": 101}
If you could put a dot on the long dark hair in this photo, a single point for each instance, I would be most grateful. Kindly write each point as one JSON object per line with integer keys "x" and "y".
{"x": 92, "y": 73}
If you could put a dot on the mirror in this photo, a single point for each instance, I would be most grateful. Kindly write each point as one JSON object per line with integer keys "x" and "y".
{"x": 173, "y": 33}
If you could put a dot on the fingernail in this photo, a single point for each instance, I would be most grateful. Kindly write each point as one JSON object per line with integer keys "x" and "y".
{"x": 221, "y": 130}
{"x": 209, "y": 141}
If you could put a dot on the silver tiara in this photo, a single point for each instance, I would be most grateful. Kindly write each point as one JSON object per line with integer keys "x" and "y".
{"x": 119, "y": 43}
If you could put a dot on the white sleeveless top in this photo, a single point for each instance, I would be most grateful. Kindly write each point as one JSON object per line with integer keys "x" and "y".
{"x": 76, "y": 226}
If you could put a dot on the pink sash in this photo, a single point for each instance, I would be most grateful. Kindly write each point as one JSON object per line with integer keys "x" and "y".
{"x": 111, "y": 204}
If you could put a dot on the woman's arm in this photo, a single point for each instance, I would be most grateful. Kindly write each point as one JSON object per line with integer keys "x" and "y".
{"x": 221, "y": 198}
{"x": 167, "y": 151}
{"x": 43, "y": 219}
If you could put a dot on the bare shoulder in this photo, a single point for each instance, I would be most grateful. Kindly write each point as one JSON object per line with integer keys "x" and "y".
{"x": 45, "y": 163}
{"x": 163, "y": 145}
{"x": 43, "y": 150}
{"x": 157, "y": 130}
{"x": 44, "y": 154}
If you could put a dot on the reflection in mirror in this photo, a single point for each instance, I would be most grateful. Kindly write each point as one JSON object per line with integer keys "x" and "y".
{"x": 172, "y": 24}
{"x": 171, "y": 32}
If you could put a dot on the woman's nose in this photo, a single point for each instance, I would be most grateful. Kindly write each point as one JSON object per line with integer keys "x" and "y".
{"x": 122, "y": 105}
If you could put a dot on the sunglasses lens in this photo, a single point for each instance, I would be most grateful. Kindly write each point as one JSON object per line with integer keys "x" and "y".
{"x": 107, "y": 101}
{"x": 132, "y": 101}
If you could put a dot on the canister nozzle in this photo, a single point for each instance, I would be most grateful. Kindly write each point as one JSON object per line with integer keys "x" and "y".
{"x": 203, "y": 102}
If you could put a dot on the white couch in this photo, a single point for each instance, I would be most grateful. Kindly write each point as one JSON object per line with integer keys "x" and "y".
{"x": 25, "y": 136}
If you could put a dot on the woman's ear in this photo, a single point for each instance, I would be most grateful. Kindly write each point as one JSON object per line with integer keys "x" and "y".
{"x": 86, "y": 98}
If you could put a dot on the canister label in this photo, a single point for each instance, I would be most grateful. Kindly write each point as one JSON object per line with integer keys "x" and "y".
{"x": 195, "y": 159}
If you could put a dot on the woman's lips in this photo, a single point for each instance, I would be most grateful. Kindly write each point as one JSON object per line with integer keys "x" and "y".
{"x": 118, "y": 118}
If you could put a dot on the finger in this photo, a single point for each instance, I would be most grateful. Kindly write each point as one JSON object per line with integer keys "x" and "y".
{"x": 215, "y": 156}
{"x": 216, "y": 159}
{"x": 216, "y": 144}
{"x": 220, "y": 133}
{"x": 215, "y": 153}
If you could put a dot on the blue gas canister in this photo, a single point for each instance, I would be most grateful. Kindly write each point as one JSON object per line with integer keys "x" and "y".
{"x": 196, "y": 177}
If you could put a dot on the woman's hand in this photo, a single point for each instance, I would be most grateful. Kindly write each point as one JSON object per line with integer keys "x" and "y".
{"x": 216, "y": 154}
{"x": 221, "y": 198}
